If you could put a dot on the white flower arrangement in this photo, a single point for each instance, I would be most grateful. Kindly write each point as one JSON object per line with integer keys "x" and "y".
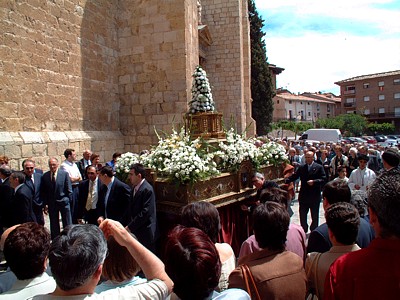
{"x": 235, "y": 150}
{"x": 123, "y": 164}
{"x": 181, "y": 159}
{"x": 271, "y": 153}
{"x": 202, "y": 100}
{"x": 186, "y": 161}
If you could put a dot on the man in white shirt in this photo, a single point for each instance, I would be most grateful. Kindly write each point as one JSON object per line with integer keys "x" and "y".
{"x": 77, "y": 256}
{"x": 71, "y": 168}
{"x": 361, "y": 178}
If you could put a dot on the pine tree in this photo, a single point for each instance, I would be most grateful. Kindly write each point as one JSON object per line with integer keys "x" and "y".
{"x": 202, "y": 100}
{"x": 262, "y": 90}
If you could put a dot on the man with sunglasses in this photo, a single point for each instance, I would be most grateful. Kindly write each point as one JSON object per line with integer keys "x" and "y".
{"x": 89, "y": 190}
{"x": 33, "y": 181}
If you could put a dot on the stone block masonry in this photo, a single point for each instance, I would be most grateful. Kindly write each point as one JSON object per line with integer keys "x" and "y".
{"x": 42, "y": 145}
{"x": 103, "y": 74}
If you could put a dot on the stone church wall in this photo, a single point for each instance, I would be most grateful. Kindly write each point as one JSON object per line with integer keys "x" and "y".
{"x": 228, "y": 60}
{"x": 102, "y": 74}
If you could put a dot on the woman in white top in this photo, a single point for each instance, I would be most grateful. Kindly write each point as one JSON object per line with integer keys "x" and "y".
{"x": 205, "y": 216}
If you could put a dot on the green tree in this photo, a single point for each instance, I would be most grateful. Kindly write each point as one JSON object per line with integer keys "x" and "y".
{"x": 383, "y": 128}
{"x": 349, "y": 124}
{"x": 262, "y": 90}
{"x": 296, "y": 127}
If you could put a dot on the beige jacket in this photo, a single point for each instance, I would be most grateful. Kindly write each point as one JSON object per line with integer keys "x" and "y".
{"x": 278, "y": 275}
{"x": 317, "y": 265}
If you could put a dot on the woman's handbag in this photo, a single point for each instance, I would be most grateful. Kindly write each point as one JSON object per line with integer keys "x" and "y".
{"x": 251, "y": 287}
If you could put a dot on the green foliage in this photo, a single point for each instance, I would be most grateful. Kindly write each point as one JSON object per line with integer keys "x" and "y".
{"x": 262, "y": 90}
{"x": 296, "y": 127}
{"x": 384, "y": 128}
{"x": 349, "y": 124}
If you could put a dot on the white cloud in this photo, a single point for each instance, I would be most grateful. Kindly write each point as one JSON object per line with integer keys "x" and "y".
{"x": 313, "y": 61}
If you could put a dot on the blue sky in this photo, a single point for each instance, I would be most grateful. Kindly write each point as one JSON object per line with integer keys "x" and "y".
{"x": 319, "y": 42}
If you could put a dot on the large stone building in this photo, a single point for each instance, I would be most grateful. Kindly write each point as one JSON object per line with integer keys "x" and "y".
{"x": 104, "y": 74}
{"x": 376, "y": 96}
{"x": 304, "y": 107}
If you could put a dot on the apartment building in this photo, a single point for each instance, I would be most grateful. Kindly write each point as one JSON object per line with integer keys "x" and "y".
{"x": 376, "y": 96}
{"x": 304, "y": 107}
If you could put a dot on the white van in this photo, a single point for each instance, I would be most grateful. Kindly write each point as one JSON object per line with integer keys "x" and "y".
{"x": 322, "y": 135}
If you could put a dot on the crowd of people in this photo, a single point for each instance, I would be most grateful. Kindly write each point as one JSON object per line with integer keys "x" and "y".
{"x": 107, "y": 246}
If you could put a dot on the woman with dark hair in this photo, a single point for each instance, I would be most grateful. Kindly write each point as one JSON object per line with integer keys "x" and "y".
{"x": 192, "y": 261}
{"x": 278, "y": 273}
{"x": 119, "y": 268}
{"x": 95, "y": 159}
{"x": 205, "y": 216}
{"x": 295, "y": 237}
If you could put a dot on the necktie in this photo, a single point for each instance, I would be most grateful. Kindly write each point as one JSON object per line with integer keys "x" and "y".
{"x": 29, "y": 183}
{"x": 90, "y": 197}
{"x": 53, "y": 180}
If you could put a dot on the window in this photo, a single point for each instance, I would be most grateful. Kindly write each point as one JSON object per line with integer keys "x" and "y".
{"x": 301, "y": 102}
{"x": 351, "y": 111}
{"x": 277, "y": 101}
{"x": 350, "y": 100}
{"x": 396, "y": 96}
{"x": 290, "y": 101}
{"x": 397, "y": 111}
{"x": 328, "y": 108}
{"x": 350, "y": 88}
{"x": 381, "y": 83}
{"x": 381, "y": 110}
{"x": 366, "y": 85}
{"x": 308, "y": 103}
{"x": 366, "y": 98}
{"x": 367, "y": 111}
{"x": 381, "y": 97}
{"x": 396, "y": 81}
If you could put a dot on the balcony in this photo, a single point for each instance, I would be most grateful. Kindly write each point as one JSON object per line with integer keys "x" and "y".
{"x": 383, "y": 116}
{"x": 349, "y": 92}
{"x": 349, "y": 104}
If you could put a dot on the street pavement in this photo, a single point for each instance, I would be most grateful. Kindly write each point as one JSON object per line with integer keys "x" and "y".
{"x": 296, "y": 218}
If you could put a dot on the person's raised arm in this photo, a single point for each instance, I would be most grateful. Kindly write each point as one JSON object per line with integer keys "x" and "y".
{"x": 152, "y": 266}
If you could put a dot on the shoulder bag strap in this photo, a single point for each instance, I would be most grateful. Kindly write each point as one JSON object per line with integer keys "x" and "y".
{"x": 313, "y": 268}
{"x": 317, "y": 257}
{"x": 250, "y": 283}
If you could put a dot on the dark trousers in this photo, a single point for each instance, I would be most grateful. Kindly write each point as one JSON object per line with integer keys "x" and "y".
{"x": 55, "y": 209}
{"x": 303, "y": 211}
{"x": 38, "y": 212}
{"x": 91, "y": 217}
{"x": 74, "y": 204}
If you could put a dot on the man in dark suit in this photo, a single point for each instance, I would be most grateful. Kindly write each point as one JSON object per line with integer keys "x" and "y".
{"x": 84, "y": 163}
{"x": 6, "y": 193}
{"x": 21, "y": 206}
{"x": 32, "y": 181}
{"x": 142, "y": 220}
{"x": 319, "y": 240}
{"x": 312, "y": 177}
{"x": 114, "y": 197}
{"x": 89, "y": 191}
{"x": 56, "y": 192}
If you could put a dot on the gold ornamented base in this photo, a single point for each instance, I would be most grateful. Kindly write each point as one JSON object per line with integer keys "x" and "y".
{"x": 206, "y": 125}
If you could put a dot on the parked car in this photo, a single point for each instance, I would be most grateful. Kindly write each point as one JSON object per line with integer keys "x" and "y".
{"x": 394, "y": 137}
{"x": 380, "y": 138}
{"x": 369, "y": 139}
